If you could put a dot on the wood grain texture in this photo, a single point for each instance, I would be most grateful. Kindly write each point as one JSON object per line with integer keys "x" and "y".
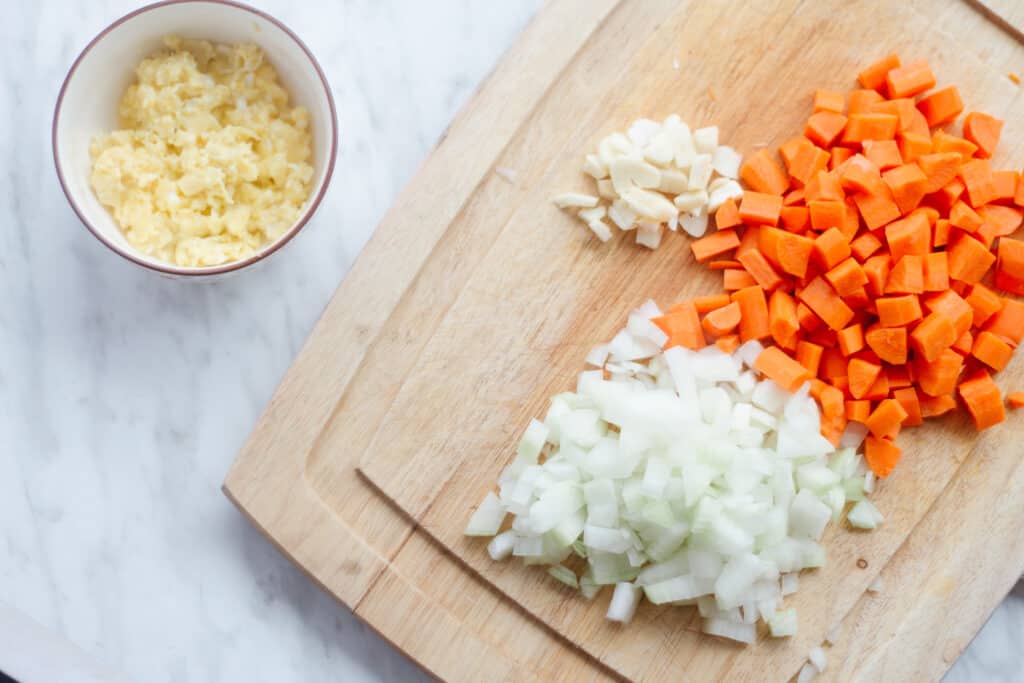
{"x": 1007, "y": 14}
{"x": 349, "y": 555}
{"x": 460, "y": 235}
{"x": 551, "y": 283}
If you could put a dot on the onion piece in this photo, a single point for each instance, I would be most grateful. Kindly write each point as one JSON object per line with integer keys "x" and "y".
{"x": 864, "y": 515}
{"x": 726, "y": 628}
{"x": 488, "y": 517}
{"x": 817, "y": 658}
{"x": 807, "y": 673}
{"x": 624, "y": 602}
{"x": 783, "y": 623}
{"x": 564, "y": 575}
{"x": 680, "y": 475}
{"x": 501, "y": 545}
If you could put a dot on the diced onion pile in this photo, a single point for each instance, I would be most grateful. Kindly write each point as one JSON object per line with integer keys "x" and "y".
{"x": 680, "y": 476}
{"x": 656, "y": 174}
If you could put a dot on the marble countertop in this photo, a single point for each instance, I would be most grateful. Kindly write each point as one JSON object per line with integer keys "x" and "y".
{"x": 124, "y": 397}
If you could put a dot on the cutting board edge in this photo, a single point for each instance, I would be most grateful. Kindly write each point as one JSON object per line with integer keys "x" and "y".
{"x": 402, "y": 590}
{"x": 238, "y": 490}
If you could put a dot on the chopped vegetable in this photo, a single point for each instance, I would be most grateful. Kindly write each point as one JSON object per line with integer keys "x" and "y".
{"x": 659, "y": 174}
{"x": 983, "y": 130}
{"x": 1010, "y": 266}
{"x": 783, "y": 623}
{"x": 817, "y": 657}
{"x": 682, "y": 475}
{"x": 983, "y": 400}
{"x": 864, "y": 515}
{"x": 488, "y": 517}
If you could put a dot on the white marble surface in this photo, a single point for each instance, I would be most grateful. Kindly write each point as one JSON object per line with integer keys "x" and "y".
{"x": 124, "y": 397}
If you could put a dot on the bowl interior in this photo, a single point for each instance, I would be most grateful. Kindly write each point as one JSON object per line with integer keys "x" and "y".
{"x": 95, "y": 86}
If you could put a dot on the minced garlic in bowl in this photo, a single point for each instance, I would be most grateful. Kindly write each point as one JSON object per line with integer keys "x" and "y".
{"x": 211, "y": 162}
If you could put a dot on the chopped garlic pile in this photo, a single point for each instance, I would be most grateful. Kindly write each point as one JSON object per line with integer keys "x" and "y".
{"x": 657, "y": 174}
{"x": 680, "y": 476}
{"x": 212, "y": 161}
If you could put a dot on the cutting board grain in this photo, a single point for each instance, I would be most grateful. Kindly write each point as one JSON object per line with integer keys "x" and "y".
{"x": 1007, "y": 14}
{"x": 544, "y": 293}
{"x": 347, "y": 539}
{"x": 460, "y": 233}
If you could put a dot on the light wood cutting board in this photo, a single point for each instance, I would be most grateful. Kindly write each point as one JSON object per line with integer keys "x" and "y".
{"x": 460, "y": 233}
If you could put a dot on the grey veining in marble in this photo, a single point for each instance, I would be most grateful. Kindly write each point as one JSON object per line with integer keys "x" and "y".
{"x": 124, "y": 396}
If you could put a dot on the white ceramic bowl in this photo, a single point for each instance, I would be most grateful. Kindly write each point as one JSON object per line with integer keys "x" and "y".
{"x": 88, "y": 100}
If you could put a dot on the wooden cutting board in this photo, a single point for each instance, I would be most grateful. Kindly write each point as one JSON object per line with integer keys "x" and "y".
{"x": 459, "y": 233}
{"x": 543, "y": 293}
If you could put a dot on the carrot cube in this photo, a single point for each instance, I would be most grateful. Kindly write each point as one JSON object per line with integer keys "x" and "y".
{"x": 984, "y": 131}
{"x": 828, "y": 100}
{"x": 944, "y": 142}
{"x": 826, "y": 213}
{"x": 884, "y": 154}
{"x": 760, "y": 172}
{"x": 787, "y": 252}
{"x": 728, "y": 215}
{"x": 942, "y": 106}
{"x": 940, "y": 233}
{"x": 874, "y": 76}
{"x": 932, "y": 336}
{"x": 822, "y": 299}
{"x": 808, "y": 355}
{"x": 984, "y": 304}
{"x": 774, "y": 364}
{"x": 1010, "y": 266}
{"x": 851, "y": 339}
{"x": 795, "y": 219}
{"x": 876, "y": 210}
{"x": 734, "y": 279}
{"x": 755, "y": 263}
{"x": 864, "y": 246}
{"x": 897, "y": 311}
{"x": 754, "y": 313}
{"x": 824, "y": 127}
{"x": 913, "y": 146}
{"x": 715, "y": 244}
{"x": 983, "y": 399}
{"x": 964, "y": 217}
{"x": 830, "y": 248}
{"x": 861, "y": 127}
{"x": 939, "y": 377}
{"x": 907, "y": 397}
{"x": 992, "y": 351}
{"x": 760, "y": 208}
{"x": 908, "y": 183}
{"x": 907, "y": 276}
{"x": 910, "y": 79}
{"x": 954, "y": 307}
{"x": 1008, "y": 321}
{"x": 881, "y": 455}
{"x": 969, "y": 259}
{"x": 936, "y": 272}
{"x": 909, "y": 235}
{"x": 885, "y": 420}
{"x": 889, "y": 343}
{"x": 682, "y": 325}
{"x": 847, "y": 277}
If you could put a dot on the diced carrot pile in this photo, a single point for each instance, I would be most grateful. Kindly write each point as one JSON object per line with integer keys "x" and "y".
{"x": 871, "y": 259}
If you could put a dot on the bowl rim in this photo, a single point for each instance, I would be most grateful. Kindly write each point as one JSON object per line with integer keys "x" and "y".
{"x": 170, "y": 268}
